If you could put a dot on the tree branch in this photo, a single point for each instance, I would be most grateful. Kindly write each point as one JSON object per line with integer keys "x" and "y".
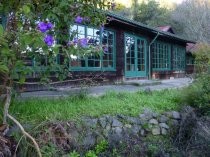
{"x": 26, "y": 134}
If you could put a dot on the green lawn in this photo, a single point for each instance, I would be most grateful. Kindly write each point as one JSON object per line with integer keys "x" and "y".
{"x": 71, "y": 108}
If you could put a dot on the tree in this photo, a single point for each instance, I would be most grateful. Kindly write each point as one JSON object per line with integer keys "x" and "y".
{"x": 31, "y": 29}
{"x": 148, "y": 12}
{"x": 122, "y": 10}
{"x": 194, "y": 17}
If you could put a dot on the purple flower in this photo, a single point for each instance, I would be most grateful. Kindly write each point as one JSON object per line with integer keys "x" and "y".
{"x": 78, "y": 19}
{"x": 75, "y": 41}
{"x": 83, "y": 42}
{"x": 49, "y": 40}
{"x": 49, "y": 25}
{"x": 43, "y": 26}
{"x": 70, "y": 43}
{"x": 105, "y": 49}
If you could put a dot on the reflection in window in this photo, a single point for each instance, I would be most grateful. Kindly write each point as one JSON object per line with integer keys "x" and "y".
{"x": 130, "y": 53}
{"x": 178, "y": 58}
{"x": 95, "y": 38}
{"x": 140, "y": 54}
{"x": 79, "y": 30}
{"x": 108, "y": 48}
{"x": 160, "y": 55}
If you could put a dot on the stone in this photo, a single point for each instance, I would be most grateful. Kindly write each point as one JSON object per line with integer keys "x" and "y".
{"x": 120, "y": 116}
{"x": 168, "y": 114}
{"x": 117, "y": 130}
{"x": 153, "y": 121}
{"x": 133, "y": 120}
{"x": 105, "y": 132}
{"x": 135, "y": 129}
{"x": 116, "y": 123}
{"x": 115, "y": 135}
{"x": 175, "y": 122}
{"x": 142, "y": 132}
{"x": 176, "y": 115}
{"x": 89, "y": 140}
{"x": 103, "y": 122}
{"x": 147, "y": 115}
{"x": 108, "y": 127}
{"x": 155, "y": 115}
{"x": 156, "y": 130}
{"x": 163, "y": 119}
{"x": 109, "y": 119}
{"x": 92, "y": 123}
{"x": 128, "y": 125}
{"x": 163, "y": 131}
{"x": 164, "y": 125}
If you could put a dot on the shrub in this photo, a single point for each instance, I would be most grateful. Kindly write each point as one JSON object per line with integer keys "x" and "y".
{"x": 198, "y": 94}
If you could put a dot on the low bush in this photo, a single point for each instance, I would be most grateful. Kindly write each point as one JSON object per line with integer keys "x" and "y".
{"x": 198, "y": 95}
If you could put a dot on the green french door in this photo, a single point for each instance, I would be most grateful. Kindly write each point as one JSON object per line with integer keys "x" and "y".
{"x": 135, "y": 56}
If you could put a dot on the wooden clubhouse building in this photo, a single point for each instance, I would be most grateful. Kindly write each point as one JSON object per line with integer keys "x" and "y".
{"x": 132, "y": 50}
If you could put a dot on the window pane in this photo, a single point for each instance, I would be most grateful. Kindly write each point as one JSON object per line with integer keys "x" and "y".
{"x": 95, "y": 38}
{"x": 160, "y": 57}
{"x": 81, "y": 30}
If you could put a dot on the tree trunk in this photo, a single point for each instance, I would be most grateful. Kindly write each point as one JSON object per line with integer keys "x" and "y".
{"x": 7, "y": 104}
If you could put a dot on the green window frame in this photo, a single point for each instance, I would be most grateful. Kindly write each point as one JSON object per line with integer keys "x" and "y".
{"x": 161, "y": 56}
{"x": 179, "y": 56}
{"x": 190, "y": 60}
{"x": 105, "y": 60}
{"x": 3, "y": 21}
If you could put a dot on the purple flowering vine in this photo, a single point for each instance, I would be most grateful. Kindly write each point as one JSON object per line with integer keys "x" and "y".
{"x": 49, "y": 40}
{"x": 78, "y": 19}
{"x": 75, "y": 41}
{"x": 83, "y": 42}
{"x": 44, "y": 26}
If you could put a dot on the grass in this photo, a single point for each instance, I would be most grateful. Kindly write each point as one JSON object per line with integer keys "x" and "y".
{"x": 72, "y": 108}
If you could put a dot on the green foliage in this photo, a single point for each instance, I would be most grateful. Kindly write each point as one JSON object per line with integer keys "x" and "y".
{"x": 157, "y": 144}
{"x": 74, "y": 154}
{"x": 198, "y": 94}
{"x": 90, "y": 153}
{"x": 22, "y": 39}
{"x": 149, "y": 12}
{"x": 1, "y": 30}
{"x": 123, "y": 10}
{"x": 49, "y": 150}
{"x": 202, "y": 59}
{"x": 101, "y": 147}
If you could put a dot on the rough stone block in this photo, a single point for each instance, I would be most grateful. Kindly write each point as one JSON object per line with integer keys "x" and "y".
{"x": 156, "y": 131}
{"x": 153, "y": 121}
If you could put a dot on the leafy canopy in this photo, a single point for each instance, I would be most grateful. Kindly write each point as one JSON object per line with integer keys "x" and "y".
{"x": 40, "y": 28}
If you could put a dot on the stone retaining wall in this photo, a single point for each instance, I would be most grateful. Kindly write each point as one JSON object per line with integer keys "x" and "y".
{"x": 115, "y": 130}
